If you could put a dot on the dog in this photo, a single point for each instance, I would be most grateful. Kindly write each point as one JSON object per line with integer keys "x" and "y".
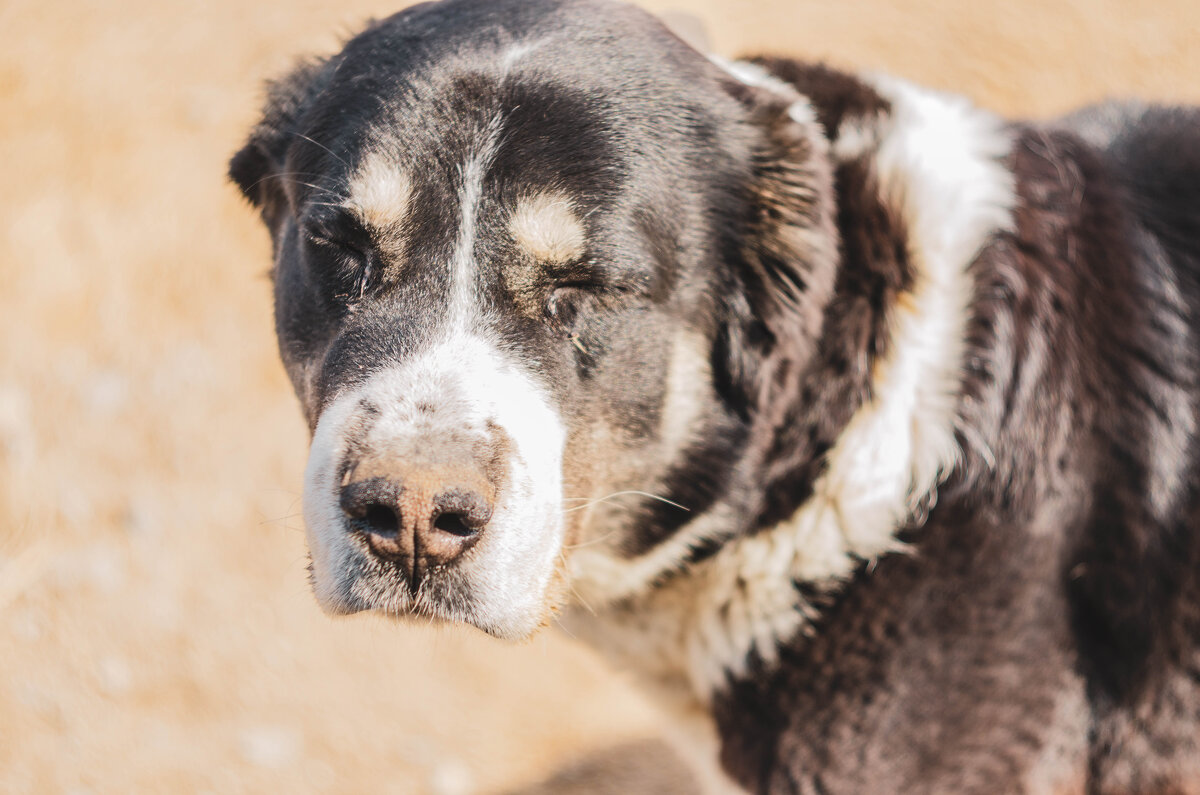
{"x": 861, "y": 423}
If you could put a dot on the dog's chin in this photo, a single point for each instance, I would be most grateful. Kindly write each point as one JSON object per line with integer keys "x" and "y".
{"x": 444, "y": 599}
{"x": 423, "y": 619}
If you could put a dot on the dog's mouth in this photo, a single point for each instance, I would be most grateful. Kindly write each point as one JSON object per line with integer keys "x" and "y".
{"x": 457, "y": 577}
{"x": 380, "y": 582}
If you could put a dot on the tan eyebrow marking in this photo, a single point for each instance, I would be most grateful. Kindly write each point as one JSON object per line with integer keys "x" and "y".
{"x": 379, "y": 192}
{"x": 546, "y": 227}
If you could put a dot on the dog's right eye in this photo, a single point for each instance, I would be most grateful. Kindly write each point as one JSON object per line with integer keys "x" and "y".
{"x": 333, "y": 246}
{"x": 346, "y": 267}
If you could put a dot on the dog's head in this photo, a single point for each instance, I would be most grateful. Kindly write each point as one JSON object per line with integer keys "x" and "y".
{"x": 528, "y": 255}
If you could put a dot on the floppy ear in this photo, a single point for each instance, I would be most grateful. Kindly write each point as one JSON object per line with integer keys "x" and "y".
{"x": 789, "y": 243}
{"x": 254, "y": 167}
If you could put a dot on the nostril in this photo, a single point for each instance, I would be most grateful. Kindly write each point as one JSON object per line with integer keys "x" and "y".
{"x": 373, "y": 506}
{"x": 455, "y": 524}
{"x": 461, "y": 512}
{"x": 380, "y": 520}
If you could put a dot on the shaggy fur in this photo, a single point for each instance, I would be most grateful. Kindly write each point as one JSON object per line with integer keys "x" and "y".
{"x": 859, "y": 422}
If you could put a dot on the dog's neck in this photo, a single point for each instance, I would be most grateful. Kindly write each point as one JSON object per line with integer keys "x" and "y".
{"x": 921, "y": 187}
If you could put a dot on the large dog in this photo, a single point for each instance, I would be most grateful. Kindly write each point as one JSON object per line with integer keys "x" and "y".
{"x": 861, "y": 423}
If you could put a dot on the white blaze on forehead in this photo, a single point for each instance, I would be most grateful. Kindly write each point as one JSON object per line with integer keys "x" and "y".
{"x": 379, "y": 192}
{"x": 474, "y": 389}
{"x": 470, "y": 191}
{"x": 546, "y": 227}
{"x": 939, "y": 162}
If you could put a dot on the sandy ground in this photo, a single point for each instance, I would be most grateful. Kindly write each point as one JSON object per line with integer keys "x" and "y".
{"x": 156, "y": 632}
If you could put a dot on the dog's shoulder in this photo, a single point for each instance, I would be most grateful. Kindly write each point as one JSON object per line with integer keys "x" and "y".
{"x": 1065, "y": 540}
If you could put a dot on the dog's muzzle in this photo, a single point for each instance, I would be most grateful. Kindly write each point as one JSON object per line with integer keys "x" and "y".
{"x": 434, "y": 488}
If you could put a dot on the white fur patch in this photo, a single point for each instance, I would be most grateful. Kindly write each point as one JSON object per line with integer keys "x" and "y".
{"x": 324, "y": 521}
{"x": 857, "y": 136}
{"x": 939, "y": 162}
{"x": 472, "y": 386}
{"x": 546, "y": 227}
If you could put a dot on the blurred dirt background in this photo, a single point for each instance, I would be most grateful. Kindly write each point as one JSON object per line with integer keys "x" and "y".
{"x": 156, "y": 631}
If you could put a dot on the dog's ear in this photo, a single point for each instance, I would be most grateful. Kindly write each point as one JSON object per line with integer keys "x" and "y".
{"x": 789, "y": 242}
{"x": 256, "y": 164}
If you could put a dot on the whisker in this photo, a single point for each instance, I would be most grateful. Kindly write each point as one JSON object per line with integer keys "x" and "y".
{"x": 285, "y": 175}
{"x": 283, "y": 521}
{"x": 323, "y": 146}
{"x": 571, "y": 586}
{"x": 558, "y": 622}
{"x": 625, "y": 493}
{"x": 338, "y": 199}
{"x": 604, "y": 537}
{"x": 323, "y": 190}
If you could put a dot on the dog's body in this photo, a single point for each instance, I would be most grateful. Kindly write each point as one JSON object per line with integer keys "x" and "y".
{"x": 915, "y": 390}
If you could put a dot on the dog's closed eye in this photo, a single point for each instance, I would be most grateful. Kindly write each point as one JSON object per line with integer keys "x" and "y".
{"x": 346, "y": 263}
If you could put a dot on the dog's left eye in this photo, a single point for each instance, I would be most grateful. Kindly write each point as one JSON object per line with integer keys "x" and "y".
{"x": 564, "y": 302}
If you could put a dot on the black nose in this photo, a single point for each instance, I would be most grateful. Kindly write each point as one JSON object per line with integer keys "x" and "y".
{"x": 421, "y": 523}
